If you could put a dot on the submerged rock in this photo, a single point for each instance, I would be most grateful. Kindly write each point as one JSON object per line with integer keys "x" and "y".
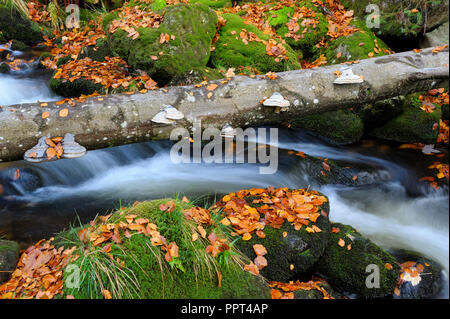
{"x": 9, "y": 255}
{"x": 350, "y": 259}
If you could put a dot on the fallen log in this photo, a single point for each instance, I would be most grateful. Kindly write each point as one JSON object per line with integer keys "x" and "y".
{"x": 120, "y": 119}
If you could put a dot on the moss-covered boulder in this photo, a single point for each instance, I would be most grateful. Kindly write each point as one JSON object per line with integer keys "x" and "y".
{"x": 15, "y": 26}
{"x": 414, "y": 125}
{"x": 340, "y": 127}
{"x": 135, "y": 265}
{"x": 359, "y": 45}
{"x": 351, "y": 262}
{"x": 9, "y": 255}
{"x": 308, "y": 28}
{"x": 379, "y": 113}
{"x": 232, "y": 52}
{"x": 191, "y": 29}
{"x": 290, "y": 252}
{"x": 401, "y": 19}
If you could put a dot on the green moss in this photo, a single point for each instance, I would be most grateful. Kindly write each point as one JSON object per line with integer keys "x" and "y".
{"x": 108, "y": 18}
{"x": 356, "y": 46}
{"x": 75, "y": 88}
{"x": 15, "y": 26}
{"x": 341, "y": 127}
{"x": 150, "y": 276}
{"x": 346, "y": 269}
{"x": 299, "y": 248}
{"x": 412, "y": 126}
{"x": 214, "y": 3}
{"x": 9, "y": 255}
{"x": 230, "y": 51}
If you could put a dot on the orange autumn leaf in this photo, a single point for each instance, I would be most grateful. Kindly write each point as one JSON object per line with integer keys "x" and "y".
{"x": 45, "y": 115}
{"x": 106, "y": 294}
{"x": 64, "y": 112}
{"x": 259, "y": 249}
{"x": 260, "y": 262}
{"x": 388, "y": 266}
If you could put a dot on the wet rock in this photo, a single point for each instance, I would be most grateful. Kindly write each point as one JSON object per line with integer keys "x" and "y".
{"x": 192, "y": 28}
{"x": 414, "y": 125}
{"x": 4, "y": 68}
{"x": 315, "y": 294}
{"x": 293, "y": 254}
{"x": 349, "y": 267}
{"x": 9, "y": 255}
{"x": 437, "y": 37}
{"x": 17, "y": 45}
{"x": 427, "y": 284}
{"x": 340, "y": 127}
{"x": 15, "y": 26}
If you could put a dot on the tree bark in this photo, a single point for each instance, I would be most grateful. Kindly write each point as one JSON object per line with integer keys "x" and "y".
{"x": 120, "y": 119}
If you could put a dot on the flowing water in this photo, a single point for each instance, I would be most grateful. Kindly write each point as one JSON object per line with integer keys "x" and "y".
{"x": 392, "y": 208}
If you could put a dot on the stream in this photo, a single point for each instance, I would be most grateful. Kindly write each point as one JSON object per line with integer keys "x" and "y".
{"x": 391, "y": 207}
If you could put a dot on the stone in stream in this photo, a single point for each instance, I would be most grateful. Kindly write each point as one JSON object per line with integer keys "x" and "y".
{"x": 413, "y": 125}
{"x": 4, "y": 68}
{"x": 9, "y": 255}
{"x": 354, "y": 264}
{"x": 421, "y": 278}
{"x": 339, "y": 127}
{"x": 290, "y": 252}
